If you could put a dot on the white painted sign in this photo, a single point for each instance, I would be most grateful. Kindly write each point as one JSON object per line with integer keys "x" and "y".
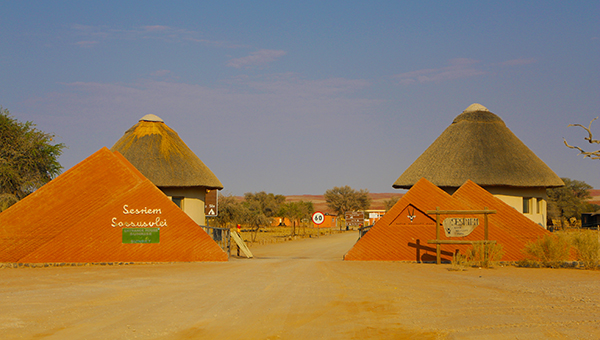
{"x": 318, "y": 217}
{"x": 460, "y": 226}
{"x": 156, "y": 223}
{"x": 354, "y": 218}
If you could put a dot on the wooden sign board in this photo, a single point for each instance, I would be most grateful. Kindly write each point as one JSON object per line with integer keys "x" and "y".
{"x": 354, "y": 218}
{"x": 459, "y": 226}
{"x": 211, "y": 203}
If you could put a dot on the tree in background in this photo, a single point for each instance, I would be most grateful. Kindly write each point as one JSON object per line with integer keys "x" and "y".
{"x": 229, "y": 211}
{"x": 590, "y": 139}
{"x": 28, "y": 159}
{"x": 389, "y": 203}
{"x": 268, "y": 204}
{"x": 569, "y": 201}
{"x": 345, "y": 199}
{"x": 252, "y": 214}
{"x": 255, "y": 211}
{"x": 296, "y": 212}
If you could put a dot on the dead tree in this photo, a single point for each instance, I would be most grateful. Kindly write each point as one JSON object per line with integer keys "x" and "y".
{"x": 590, "y": 139}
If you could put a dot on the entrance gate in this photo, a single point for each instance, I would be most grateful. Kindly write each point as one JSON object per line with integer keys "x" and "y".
{"x": 485, "y": 212}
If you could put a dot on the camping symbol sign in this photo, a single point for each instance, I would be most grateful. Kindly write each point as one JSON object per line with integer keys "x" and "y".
{"x": 459, "y": 226}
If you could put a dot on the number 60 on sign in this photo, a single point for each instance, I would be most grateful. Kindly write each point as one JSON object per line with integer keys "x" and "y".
{"x": 318, "y": 217}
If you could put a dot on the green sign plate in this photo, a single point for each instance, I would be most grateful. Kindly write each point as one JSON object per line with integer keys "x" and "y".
{"x": 141, "y": 235}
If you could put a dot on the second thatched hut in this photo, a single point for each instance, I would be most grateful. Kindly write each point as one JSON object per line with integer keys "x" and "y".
{"x": 478, "y": 146}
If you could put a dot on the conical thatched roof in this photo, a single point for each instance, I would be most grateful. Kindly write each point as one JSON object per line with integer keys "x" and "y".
{"x": 157, "y": 152}
{"x": 478, "y": 146}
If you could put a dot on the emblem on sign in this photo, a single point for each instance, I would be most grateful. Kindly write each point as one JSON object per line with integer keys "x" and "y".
{"x": 411, "y": 214}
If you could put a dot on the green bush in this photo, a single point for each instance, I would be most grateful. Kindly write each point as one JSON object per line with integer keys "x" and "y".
{"x": 549, "y": 251}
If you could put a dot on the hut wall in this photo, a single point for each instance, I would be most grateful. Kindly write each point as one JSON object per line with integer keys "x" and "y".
{"x": 192, "y": 203}
{"x": 514, "y": 197}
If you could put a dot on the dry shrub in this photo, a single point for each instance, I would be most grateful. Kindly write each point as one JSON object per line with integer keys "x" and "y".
{"x": 548, "y": 251}
{"x": 478, "y": 258}
{"x": 460, "y": 262}
{"x": 475, "y": 256}
{"x": 587, "y": 245}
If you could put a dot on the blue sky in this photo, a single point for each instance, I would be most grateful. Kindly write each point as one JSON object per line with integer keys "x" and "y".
{"x": 296, "y": 98}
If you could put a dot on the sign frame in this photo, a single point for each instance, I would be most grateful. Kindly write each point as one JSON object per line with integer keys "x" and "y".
{"x": 318, "y": 218}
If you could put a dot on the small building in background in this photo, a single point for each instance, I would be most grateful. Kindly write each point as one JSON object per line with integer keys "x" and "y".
{"x": 478, "y": 146}
{"x": 590, "y": 220}
{"x": 373, "y": 215}
{"x": 160, "y": 154}
{"x": 329, "y": 221}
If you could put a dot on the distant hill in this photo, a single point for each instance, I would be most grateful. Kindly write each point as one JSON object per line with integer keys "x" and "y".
{"x": 595, "y": 193}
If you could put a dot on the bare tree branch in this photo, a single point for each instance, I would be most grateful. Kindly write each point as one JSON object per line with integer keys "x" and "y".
{"x": 590, "y": 139}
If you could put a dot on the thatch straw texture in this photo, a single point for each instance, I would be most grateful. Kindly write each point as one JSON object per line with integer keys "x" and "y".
{"x": 158, "y": 152}
{"x": 478, "y": 146}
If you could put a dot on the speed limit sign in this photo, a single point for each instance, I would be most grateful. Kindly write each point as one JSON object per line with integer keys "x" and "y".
{"x": 318, "y": 217}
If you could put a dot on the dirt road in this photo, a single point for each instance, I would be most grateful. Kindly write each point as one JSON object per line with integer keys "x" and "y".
{"x": 298, "y": 290}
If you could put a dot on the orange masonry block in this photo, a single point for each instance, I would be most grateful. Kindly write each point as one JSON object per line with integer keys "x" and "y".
{"x": 402, "y": 233}
{"x": 102, "y": 210}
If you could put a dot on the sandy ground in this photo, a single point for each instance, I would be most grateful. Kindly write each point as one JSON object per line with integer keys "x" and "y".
{"x": 298, "y": 290}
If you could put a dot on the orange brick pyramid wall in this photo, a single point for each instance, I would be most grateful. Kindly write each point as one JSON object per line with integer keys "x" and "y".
{"x": 395, "y": 237}
{"x": 75, "y": 218}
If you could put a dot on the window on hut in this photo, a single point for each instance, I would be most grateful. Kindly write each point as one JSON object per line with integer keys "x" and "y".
{"x": 178, "y": 201}
{"x": 526, "y": 205}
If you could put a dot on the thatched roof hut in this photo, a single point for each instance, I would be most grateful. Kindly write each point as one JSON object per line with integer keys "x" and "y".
{"x": 478, "y": 146}
{"x": 158, "y": 152}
